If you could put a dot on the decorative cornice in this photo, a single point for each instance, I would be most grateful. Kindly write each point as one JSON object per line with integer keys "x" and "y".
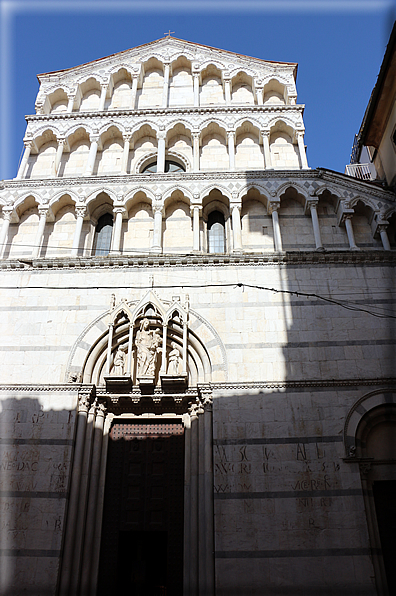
{"x": 302, "y": 384}
{"x": 147, "y": 261}
{"x": 185, "y": 111}
{"x": 320, "y": 174}
{"x": 69, "y": 387}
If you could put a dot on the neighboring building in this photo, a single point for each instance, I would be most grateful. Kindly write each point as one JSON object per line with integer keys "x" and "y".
{"x": 198, "y": 341}
{"x": 374, "y": 151}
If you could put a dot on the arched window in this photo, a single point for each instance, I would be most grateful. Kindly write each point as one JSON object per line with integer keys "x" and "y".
{"x": 216, "y": 232}
{"x": 103, "y": 233}
{"x": 170, "y": 166}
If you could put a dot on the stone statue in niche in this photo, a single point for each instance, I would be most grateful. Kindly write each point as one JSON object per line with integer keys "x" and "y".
{"x": 148, "y": 347}
{"x": 174, "y": 360}
{"x": 119, "y": 362}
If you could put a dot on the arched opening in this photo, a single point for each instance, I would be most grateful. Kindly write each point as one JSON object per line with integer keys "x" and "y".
{"x": 376, "y": 450}
{"x": 216, "y": 232}
{"x": 212, "y": 88}
{"x": 103, "y": 233}
{"x": 242, "y": 89}
{"x": 181, "y": 91}
{"x": 150, "y": 94}
{"x": 170, "y": 166}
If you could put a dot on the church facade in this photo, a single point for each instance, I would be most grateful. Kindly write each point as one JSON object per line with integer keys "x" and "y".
{"x": 197, "y": 374}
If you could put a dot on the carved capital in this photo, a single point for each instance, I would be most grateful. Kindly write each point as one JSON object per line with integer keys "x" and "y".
{"x": 273, "y": 206}
{"x": 119, "y": 209}
{"x": 101, "y": 409}
{"x": 161, "y": 135}
{"x": 80, "y": 211}
{"x": 43, "y": 211}
{"x": 61, "y": 141}
{"x": 365, "y": 467}
{"x": 195, "y": 135}
{"x": 94, "y": 138}
{"x": 28, "y": 143}
{"x": 265, "y": 133}
{"x": 7, "y": 213}
{"x": 230, "y": 134}
{"x": 83, "y": 402}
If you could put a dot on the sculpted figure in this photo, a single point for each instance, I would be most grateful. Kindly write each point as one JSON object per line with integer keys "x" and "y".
{"x": 174, "y": 360}
{"x": 119, "y": 362}
{"x": 147, "y": 344}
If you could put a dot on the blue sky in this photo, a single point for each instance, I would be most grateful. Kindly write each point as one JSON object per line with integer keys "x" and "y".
{"x": 339, "y": 46}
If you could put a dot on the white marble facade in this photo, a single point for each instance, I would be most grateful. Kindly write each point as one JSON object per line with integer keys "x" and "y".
{"x": 266, "y": 287}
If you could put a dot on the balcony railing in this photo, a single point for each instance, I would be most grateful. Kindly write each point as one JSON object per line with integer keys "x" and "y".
{"x": 363, "y": 171}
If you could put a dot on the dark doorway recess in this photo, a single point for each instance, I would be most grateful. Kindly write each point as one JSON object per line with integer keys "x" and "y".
{"x": 142, "y": 534}
{"x": 384, "y": 492}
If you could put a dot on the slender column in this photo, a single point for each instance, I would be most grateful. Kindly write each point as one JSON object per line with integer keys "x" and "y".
{"x": 202, "y": 529}
{"x": 91, "y": 156}
{"x": 118, "y": 211}
{"x": 130, "y": 350}
{"x": 92, "y": 499}
{"x": 195, "y": 216}
{"x": 196, "y": 89}
{"x": 165, "y": 91}
{"x": 26, "y": 153}
{"x": 384, "y": 236}
{"x": 349, "y": 230}
{"x": 315, "y": 224}
{"x": 72, "y": 510}
{"x": 231, "y": 149}
{"x": 80, "y": 213}
{"x": 109, "y": 345}
{"x": 195, "y": 137}
{"x": 227, "y": 91}
{"x": 157, "y": 236}
{"x": 194, "y": 503}
{"x": 187, "y": 505}
{"x": 301, "y": 149}
{"x": 58, "y": 156}
{"x": 7, "y": 212}
{"x": 185, "y": 331}
{"x": 259, "y": 95}
{"x": 43, "y": 211}
{"x": 209, "y": 534}
{"x": 70, "y": 102}
{"x": 161, "y": 152}
{"x": 265, "y": 134}
{"x": 125, "y": 154}
{"x": 236, "y": 228}
{"x": 135, "y": 78}
{"x": 102, "y": 99}
{"x": 82, "y": 502}
{"x": 275, "y": 224}
{"x": 164, "y": 334}
{"x": 99, "y": 507}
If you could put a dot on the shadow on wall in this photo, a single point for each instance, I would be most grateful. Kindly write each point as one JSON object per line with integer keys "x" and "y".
{"x": 35, "y": 461}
